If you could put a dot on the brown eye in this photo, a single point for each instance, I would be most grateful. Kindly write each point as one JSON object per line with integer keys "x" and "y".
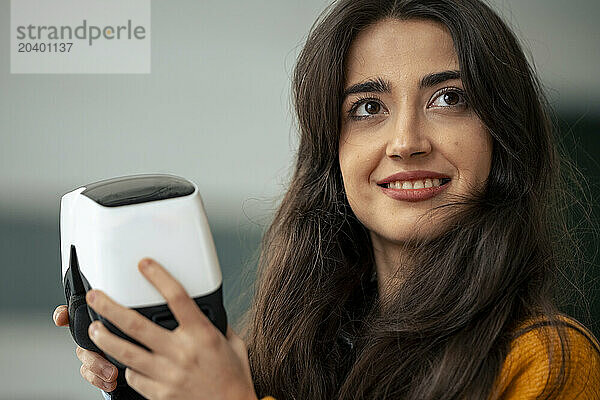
{"x": 368, "y": 107}
{"x": 449, "y": 98}
{"x": 372, "y": 107}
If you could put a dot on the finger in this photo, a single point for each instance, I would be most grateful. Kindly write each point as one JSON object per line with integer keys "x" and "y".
{"x": 96, "y": 381}
{"x": 126, "y": 352}
{"x": 143, "y": 384}
{"x": 184, "y": 309}
{"x": 131, "y": 322}
{"x": 97, "y": 364}
{"x": 61, "y": 316}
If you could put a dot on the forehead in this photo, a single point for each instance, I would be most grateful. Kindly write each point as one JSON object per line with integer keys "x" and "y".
{"x": 396, "y": 48}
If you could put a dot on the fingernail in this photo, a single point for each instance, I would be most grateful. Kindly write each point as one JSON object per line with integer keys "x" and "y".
{"x": 146, "y": 265}
{"x": 94, "y": 328}
{"x": 107, "y": 372}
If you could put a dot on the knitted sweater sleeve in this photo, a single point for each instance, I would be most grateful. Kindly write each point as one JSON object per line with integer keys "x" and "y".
{"x": 527, "y": 368}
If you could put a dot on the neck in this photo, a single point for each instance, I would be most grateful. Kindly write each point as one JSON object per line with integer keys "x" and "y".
{"x": 391, "y": 262}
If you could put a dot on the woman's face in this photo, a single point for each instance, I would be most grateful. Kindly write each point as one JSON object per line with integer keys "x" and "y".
{"x": 405, "y": 112}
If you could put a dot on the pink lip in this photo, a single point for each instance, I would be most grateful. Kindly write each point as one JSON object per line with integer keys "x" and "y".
{"x": 412, "y": 175}
{"x": 414, "y": 195}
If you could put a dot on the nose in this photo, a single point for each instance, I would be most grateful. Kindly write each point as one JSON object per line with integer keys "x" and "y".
{"x": 407, "y": 138}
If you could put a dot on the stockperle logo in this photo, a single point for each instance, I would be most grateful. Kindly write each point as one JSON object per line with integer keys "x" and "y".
{"x": 90, "y": 33}
{"x": 80, "y": 36}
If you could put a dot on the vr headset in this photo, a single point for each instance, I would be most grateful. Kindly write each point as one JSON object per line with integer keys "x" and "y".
{"x": 107, "y": 227}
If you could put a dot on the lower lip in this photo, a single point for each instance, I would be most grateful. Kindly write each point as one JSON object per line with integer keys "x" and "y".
{"x": 414, "y": 195}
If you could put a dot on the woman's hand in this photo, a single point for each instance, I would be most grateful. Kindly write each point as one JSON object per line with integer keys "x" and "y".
{"x": 95, "y": 369}
{"x": 194, "y": 361}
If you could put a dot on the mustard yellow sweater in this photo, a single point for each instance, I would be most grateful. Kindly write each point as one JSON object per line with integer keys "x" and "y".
{"x": 525, "y": 369}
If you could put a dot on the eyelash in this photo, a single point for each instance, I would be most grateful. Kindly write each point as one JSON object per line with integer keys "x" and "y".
{"x": 365, "y": 99}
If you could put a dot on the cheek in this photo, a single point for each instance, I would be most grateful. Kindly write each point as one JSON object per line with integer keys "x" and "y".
{"x": 355, "y": 160}
{"x": 355, "y": 175}
{"x": 473, "y": 156}
{"x": 349, "y": 165}
{"x": 484, "y": 156}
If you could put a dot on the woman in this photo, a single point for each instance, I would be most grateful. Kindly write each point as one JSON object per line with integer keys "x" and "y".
{"x": 417, "y": 251}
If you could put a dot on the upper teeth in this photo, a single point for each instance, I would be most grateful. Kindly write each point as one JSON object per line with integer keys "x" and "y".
{"x": 417, "y": 184}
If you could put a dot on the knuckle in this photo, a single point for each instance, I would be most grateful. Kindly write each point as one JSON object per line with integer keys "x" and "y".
{"x": 185, "y": 358}
{"x": 212, "y": 338}
{"x": 129, "y": 356}
{"x": 179, "y": 297}
{"x": 93, "y": 379}
{"x": 96, "y": 366}
{"x": 135, "y": 325}
{"x": 176, "y": 378}
{"x": 99, "y": 383}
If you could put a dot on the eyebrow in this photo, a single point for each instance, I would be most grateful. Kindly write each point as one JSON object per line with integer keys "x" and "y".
{"x": 381, "y": 85}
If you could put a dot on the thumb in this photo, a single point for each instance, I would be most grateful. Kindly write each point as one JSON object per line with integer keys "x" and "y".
{"x": 61, "y": 316}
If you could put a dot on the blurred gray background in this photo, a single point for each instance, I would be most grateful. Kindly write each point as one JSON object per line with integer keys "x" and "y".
{"x": 216, "y": 110}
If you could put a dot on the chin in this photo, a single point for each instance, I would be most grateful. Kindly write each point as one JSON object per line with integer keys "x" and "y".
{"x": 404, "y": 232}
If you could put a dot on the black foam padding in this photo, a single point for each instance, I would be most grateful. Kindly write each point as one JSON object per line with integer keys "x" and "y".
{"x": 79, "y": 321}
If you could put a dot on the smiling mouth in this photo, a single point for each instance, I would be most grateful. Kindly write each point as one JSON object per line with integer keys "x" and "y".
{"x": 415, "y": 184}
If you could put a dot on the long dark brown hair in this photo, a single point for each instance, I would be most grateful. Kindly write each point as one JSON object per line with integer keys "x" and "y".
{"x": 317, "y": 329}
